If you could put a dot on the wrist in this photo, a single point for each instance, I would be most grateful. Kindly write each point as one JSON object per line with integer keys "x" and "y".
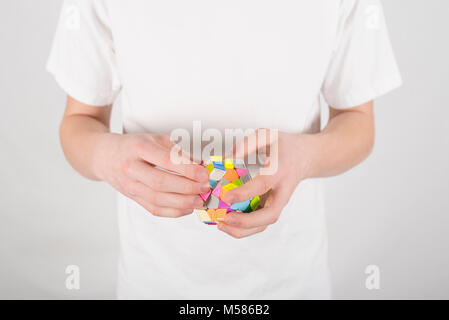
{"x": 104, "y": 146}
{"x": 308, "y": 151}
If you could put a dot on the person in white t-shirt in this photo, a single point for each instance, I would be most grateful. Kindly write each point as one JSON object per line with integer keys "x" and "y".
{"x": 228, "y": 64}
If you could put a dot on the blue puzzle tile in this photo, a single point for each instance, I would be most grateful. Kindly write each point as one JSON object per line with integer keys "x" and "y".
{"x": 213, "y": 183}
{"x": 242, "y": 206}
{"x": 219, "y": 165}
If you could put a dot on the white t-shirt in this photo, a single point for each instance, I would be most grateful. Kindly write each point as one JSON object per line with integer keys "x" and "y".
{"x": 228, "y": 64}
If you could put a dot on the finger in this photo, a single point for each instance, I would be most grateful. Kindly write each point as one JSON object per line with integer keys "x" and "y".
{"x": 163, "y": 181}
{"x": 162, "y": 211}
{"x": 258, "y": 186}
{"x": 260, "y": 139}
{"x": 239, "y": 233}
{"x": 175, "y": 149}
{"x": 163, "y": 199}
{"x": 258, "y": 218}
{"x": 269, "y": 214}
{"x": 177, "y": 201}
{"x": 160, "y": 156}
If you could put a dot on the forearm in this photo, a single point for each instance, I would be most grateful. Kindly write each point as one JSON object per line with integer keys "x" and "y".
{"x": 345, "y": 142}
{"x": 83, "y": 139}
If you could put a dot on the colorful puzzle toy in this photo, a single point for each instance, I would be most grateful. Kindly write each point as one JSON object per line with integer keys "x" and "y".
{"x": 224, "y": 176}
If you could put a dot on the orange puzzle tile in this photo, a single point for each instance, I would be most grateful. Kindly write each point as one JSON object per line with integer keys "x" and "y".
{"x": 212, "y": 214}
{"x": 231, "y": 175}
{"x": 220, "y": 215}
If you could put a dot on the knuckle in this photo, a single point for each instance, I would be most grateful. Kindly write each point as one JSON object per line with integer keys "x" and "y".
{"x": 125, "y": 168}
{"x": 139, "y": 146}
{"x": 162, "y": 138}
{"x": 166, "y": 157}
{"x": 157, "y": 182}
{"x": 274, "y": 219}
{"x": 188, "y": 187}
{"x": 276, "y": 215}
{"x": 238, "y": 236}
{"x": 265, "y": 185}
{"x": 193, "y": 188}
{"x": 238, "y": 223}
{"x": 152, "y": 197}
{"x": 149, "y": 207}
{"x": 188, "y": 202}
{"x": 238, "y": 194}
{"x": 156, "y": 211}
{"x": 157, "y": 137}
{"x": 191, "y": 171}
{"x": 127, "y": 187}
{"x": 165, "y": 138}
{"x": 178, "y": 214}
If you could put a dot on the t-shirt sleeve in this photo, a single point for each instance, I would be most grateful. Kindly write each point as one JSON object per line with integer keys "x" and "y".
{"x": 363, "y": 66}
{"x": 82, "y": 57}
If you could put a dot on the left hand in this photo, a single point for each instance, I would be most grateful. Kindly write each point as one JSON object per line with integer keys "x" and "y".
{"x": 289, "y": 159}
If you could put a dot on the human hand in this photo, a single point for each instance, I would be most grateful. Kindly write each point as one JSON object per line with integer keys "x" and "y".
{"x": 128, "y": 163}
{"x": 290, "y": 157}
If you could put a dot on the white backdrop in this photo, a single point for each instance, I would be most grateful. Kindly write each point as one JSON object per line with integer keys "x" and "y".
{"x": 392, "y": 211}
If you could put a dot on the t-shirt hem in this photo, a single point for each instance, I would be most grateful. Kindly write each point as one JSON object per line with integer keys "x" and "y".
{"x": 80, "y": 94}
{"x": 360, "y": 96}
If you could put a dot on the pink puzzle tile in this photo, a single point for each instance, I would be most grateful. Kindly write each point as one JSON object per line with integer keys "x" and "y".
{"x": 241, "y": 172}
{"x": 217, "y": 191}
{"x": 206, "y": 195}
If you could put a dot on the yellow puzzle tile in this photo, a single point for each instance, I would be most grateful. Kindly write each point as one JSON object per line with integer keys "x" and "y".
{"x": 216, "y": 158}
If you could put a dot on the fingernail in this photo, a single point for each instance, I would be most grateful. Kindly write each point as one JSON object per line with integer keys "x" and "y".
{"x": 221, "y": 227}
{"x": 231, "y": 220}
{"x": 205, "y": 187}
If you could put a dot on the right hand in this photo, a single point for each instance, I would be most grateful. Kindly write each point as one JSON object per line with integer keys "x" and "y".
{"x": 127, "y": 162}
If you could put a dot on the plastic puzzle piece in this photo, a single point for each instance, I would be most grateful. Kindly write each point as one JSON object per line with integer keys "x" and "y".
{"x": 216, "y": 174}
{"x": 216, "y": 192}
{"x": 209, "y": 167}
{"x": 241, "y": 172}
{"x": 239, "y": 164}
{"x": 211, "y": 214}
{"x": 220, "y": 215}
{"x": 216, "y": 158}
{"x": 242, "y": 206}
{"x": 237, "y": 182}
{"x": 213, "y": 183}
{"x": 245, "y": 178}
{"x": 223, "y": 205}
{"x": 202, "y": 215}
{"x": 229, "y": 164}
{"x": 223, "y": 182}
{"x": 219, "y": 165}
{"x": 255, "y": 202}
{"x": 229, "y": 186}
{"x": 231, "y": 175}
{"x": 223, "y": 177}
{"x": 206, "y": 195}
{"x": 213, "y": 202}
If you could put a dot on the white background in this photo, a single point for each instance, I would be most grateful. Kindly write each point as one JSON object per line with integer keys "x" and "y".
{"x": 391, "y": 211}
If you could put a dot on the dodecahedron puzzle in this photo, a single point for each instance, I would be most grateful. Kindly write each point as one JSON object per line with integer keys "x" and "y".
{"x": 224, "y": 175}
